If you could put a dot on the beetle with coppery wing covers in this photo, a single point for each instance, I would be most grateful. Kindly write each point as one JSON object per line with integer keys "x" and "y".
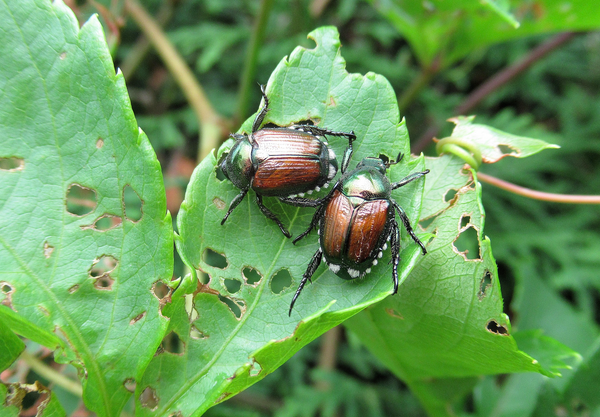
{"x": 356, "y": 220}
{"x": 283, "y": 162}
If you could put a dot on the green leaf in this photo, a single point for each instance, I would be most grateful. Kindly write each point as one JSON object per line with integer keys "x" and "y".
{"x": 238, "y": 330}
{"x": 493, "y": 143}
{"x": 81, "y": 263}
{"x": 10, "y": 346}
{"x": 25, "y": 328}
{"x": 550, "y": 353}
{"x": 447, "y": 319}
{"x": 448, "y": 31}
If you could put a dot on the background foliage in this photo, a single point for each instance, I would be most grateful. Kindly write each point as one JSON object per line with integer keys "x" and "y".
{"x": 547, "y": 253}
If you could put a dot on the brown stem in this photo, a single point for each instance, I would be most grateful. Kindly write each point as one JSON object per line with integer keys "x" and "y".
{"x": 539, "y": 195}
{"x": 212, "y": 125}
{"x": 498, "y": 80}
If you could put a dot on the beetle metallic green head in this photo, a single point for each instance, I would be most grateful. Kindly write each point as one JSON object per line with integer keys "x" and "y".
{"x": 371, "y": 162}
{"x": 237, "y": 164}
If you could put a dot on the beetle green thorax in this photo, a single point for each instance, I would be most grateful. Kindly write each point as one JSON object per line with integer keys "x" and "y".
{"x": 237, "y": 166}
{"x": 367, "y": 181}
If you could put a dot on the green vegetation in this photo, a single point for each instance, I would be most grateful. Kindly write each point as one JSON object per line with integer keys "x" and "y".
{"x": 114, "y": 313}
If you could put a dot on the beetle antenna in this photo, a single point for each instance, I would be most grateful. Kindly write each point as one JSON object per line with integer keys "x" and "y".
{"x": 397, "y": 161}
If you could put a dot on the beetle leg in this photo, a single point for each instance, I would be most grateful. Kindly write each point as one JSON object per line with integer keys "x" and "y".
{"x": 234, "y": 203}
{"x": 408, "y": 227}
{"x": 315, "y": 220}
{"x": 271, "y": 216}
{"x": 395, "y": 248}
{"x": 312, "y": 267}
{"x": 408, "y": 179}
{"x": 260, "y": 117}
{"x": 317, "y": 131}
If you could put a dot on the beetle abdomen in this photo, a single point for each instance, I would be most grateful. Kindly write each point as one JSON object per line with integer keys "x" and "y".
{"x": 335, "y": 225}
{"x": 284, "y": 175}
{"x": 368, "y": 225}
{"x": 285, "y": 142}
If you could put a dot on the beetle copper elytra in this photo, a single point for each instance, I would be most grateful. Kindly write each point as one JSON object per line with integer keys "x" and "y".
{"x": 280, "y": 162}
{"x": 356, "y": 220}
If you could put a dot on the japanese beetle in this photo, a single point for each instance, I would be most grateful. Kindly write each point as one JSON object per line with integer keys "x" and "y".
{"x": 355, "y": 220}
{"x": 279, "y": 162}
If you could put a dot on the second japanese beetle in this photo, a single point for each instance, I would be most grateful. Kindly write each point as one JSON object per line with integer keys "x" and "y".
{"x": 355, "y": 221}
{"x": 279, "y": 162}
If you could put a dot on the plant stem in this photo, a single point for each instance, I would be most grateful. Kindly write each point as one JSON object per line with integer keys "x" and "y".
{"x": 51, "y": 374}
{"x": 495, "y": 82}
{"x": 539, "y": 195}
{"x": 249, "y": 72}
{"x": 142, "y": 45}
{"x": 212, "y": 125}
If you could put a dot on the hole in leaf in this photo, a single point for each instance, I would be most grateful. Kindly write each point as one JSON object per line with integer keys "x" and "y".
{"x": 104, "y": 223}
{"x": 11, "y": 164}
{"x": 486, "y": 282}
{"x": 63, "y": 55}
{"x": 6, "y": 291}
{"x": 160, "y": 289}
{"x": 255, "y": 368}
{"x": 450, "y": 196}
{"x": 215, "y": 259}
{"x": 137, "y": 318}
{"x": 467, "y": 245}
{"x": 100, "y": 271}
{"x": 129, "y": 384}
{"x": 172, "y": 343}
{"x": 148, "y": 399}
{"x": 493, "y": 327}
{"x": 6, "y": 288}
{"x": 384, "y": 158}
{"x": 464, "y": 221}
{"x": 132, "y": 204}
{"x": 233, "y": 306}
{"x": 506, "y": 150}
{"x": 197, "y": 334}
{"x": 220, "y": 204}
{"x": 73, "y": 288}
{"x": 425, "y": 223}
{"x": 280, "y": 281}
{"x": 219, "y": 172}
{"x": 80, "y": 200}
{"x": 48, "y": 250}
{"x": 232, "y": 285}
{"x": 251, "y": 275}
{"x": 99, "y": 143}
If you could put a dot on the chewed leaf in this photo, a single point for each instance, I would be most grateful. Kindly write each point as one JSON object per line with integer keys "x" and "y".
{"x": 495, "y": 144}
{"x": 77, "y": 263}
{"x": 239, "y": 330}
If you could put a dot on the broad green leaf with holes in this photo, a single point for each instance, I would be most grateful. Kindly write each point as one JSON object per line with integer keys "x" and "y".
{"x": 84, "y": 235}
{"x": 441, "y": 32}
{"x": 447, "y": 320}
{"x": 492, "y": 144}
{"x": 238, "y": 330}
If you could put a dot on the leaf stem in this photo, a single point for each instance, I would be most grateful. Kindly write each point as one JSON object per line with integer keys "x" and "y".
{"x": 51, "y": 374}
{"x": 212, "y": 125}
{"x": 538, "y": 195}
{"x": 495, "y": 82}
{"x": 249, "y": 72}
